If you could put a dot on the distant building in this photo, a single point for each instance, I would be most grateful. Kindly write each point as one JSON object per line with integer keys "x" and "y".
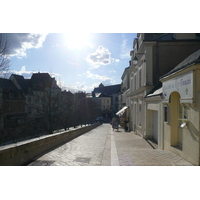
{"x": 107, "y": 99}
{"x": 12, "y": 110}
{"x": 39, "y": 82}
{"x": 41, "y": 93}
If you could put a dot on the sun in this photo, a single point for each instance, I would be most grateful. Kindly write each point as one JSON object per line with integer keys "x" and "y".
{"x": 77, "y": 40}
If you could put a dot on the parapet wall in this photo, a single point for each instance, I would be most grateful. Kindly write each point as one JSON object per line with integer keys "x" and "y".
{"x": 24, "y": 152}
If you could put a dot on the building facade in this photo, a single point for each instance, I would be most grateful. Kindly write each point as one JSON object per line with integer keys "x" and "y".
{"x": 107, "y": 100}
{"x": 154, "y": 55}
{"x": 12, "y": 111}
{"x": 181, "y": 105}
{"x": 124, "y": 101}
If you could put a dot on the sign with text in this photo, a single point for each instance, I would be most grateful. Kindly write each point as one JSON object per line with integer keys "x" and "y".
{"x": 182, "y": 84}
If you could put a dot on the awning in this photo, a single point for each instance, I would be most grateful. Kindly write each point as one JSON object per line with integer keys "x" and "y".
{"x": 121, "y": 112}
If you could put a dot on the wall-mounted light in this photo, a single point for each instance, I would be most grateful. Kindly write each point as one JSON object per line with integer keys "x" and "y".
{"x": 135, "y": 59}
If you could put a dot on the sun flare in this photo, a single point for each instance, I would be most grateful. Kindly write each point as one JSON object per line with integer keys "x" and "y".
{"x": 77, "y": 40}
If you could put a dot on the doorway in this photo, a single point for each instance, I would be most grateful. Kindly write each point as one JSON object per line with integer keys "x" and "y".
{"x": 175, "y": 116}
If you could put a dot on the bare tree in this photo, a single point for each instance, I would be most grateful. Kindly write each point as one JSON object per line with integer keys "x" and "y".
{"x": 47, "y": 106}
{"x": 4, "y": 58}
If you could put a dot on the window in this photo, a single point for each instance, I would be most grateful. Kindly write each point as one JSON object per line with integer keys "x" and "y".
{"x": 128, "y": 81}
{"x": 135, "y": 82}
{"x": 131, "y": 84}
{"x": 166, "y": 114}
{"x": 140, "y": 114}
{"x": 140, "y": 78}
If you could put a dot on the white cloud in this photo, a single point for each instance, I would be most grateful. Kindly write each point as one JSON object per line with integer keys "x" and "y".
{"x": 100, "y": 57}
{"x": 98, "y": 77}
{"x": 19, "y": 43}
{"x": 22, "y": 72}
{"x": 23, "y": 69}
{"x": 103, "y": 79}
{"x": 125, "y": 51}
{"x": 80, "y": 87}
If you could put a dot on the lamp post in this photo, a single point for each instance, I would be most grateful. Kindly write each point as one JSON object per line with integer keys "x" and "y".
{"x": 135, "y": 59}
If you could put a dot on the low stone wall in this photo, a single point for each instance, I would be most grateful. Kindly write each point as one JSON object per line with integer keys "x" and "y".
{"x": 24, "y": 152}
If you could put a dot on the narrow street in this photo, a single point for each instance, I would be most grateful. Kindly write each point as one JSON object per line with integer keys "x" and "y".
{"x": 104, "y": 147}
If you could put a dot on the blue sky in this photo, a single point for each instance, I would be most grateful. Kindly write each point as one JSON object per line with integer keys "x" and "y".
{"x": 79, "y": 61}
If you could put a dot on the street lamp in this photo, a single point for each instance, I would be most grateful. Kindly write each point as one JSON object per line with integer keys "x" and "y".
{"x": 135, "y": 59}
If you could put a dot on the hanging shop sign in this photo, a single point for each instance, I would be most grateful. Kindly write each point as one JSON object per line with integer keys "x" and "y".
{"x": 182, "y": 84}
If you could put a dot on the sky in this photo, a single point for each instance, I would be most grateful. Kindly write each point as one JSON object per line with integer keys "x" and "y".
{"x": 78, "y": 61}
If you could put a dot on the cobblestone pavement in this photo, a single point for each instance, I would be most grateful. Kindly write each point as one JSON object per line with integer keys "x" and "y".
{"x": 104, "y": 147}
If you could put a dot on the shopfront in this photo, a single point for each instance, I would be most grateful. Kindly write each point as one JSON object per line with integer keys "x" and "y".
{"x": 181, "y": 97}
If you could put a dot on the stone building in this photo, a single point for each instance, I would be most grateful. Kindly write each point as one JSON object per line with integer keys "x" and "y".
{"x": 107, "y": 99}
{"x": 153, "y": 56}
{"x": 12, "y": 111}
{"x": 181, "y": 105}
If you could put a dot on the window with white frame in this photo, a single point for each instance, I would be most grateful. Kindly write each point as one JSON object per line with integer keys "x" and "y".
{"x": 140, "y": 114}
{"x": 135, "y": 82}
{"x": 132, "y": 87}
{"x": 140, "y": 78}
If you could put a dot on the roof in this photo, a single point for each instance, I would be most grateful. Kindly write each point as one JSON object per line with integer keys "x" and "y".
{"x": 8, "y": 86}
{"x": 190, "y": 60}
{"x": 156, "y": 91}
{"x": 166, "y": 37}
{"x": 108, "y": 90}
{"x": 103, "y": 95}
{"x": 40, "y": 81}
{"x": 23, "y": 83}
{"x": 158, "y": 36}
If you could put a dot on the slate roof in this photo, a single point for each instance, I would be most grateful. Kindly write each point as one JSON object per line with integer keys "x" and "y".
{"x": 190, "y": 60}
{"x": 158, "y": 36}
{"x": 8, "y": 86}
{"x": 39, "y": 81}
{"x": 23, "y": 83}
{"x": 104, "y": 95}
{"x": 165, "y": 37}
{"x": 108, "y": 90}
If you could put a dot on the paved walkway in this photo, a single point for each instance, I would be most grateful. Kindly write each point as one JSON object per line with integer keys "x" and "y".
{"x": 104, "y": 147}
